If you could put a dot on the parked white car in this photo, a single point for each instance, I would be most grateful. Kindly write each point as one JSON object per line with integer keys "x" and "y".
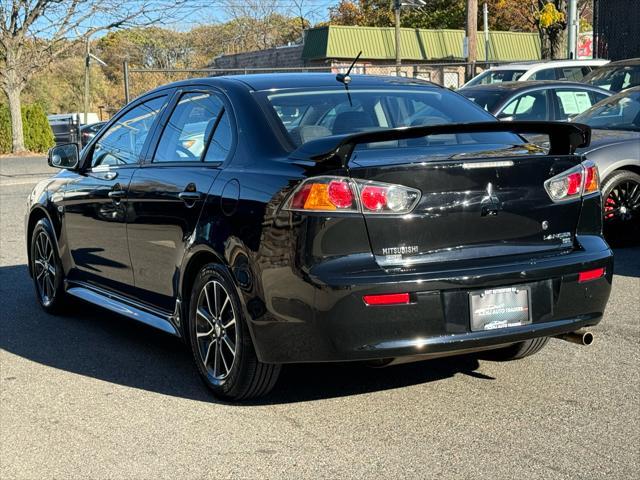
{"x": 573, "y": 70}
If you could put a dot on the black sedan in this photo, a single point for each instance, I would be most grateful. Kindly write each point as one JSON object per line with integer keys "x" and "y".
{"x": 271, "y": 219}
{"x": 535, "y": 100}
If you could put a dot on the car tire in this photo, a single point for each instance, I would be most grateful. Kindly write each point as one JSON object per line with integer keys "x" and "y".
{"x": 46, "y": 268}
{"x": 220, "y": 340}
{"x": 626, "y": 184}
{"x": 518, "y": 350}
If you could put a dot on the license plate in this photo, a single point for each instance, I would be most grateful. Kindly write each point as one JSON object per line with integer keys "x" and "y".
{"x": 500, "y": 308}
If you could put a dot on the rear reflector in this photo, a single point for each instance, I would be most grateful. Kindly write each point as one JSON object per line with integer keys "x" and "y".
{"x": 386, "y": 299}
{"x": 590, "y": 275}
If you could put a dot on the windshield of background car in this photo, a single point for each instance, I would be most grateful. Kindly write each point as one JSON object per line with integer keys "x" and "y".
{"x": 621, "y": 112}
{"x": 487, "y": 99}
{"x": 311, "y": 114}
{"x": 496, "y": 76}
{"x": 615, "y": 78}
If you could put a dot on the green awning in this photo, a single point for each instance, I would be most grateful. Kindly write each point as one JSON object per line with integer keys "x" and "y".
{"x": 378, "y": 43}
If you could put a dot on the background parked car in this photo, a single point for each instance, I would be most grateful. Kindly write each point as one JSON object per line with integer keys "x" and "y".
{"x": 616, "y": 76}
{"x": 573, "y": 70}
{"x": 65, "y": 127}
{"x": 87, "y": 132}
{"x": 615, "y": 149}
{"x": 535, "y": 100}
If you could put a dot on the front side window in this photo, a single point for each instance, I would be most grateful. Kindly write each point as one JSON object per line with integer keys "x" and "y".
{"x": 191, "y": 124}
{"x": 529, "y": 106}
{"x": 573, "y": 102}
{"x": 122, "y": 143}
{"x": 574, "y": 74}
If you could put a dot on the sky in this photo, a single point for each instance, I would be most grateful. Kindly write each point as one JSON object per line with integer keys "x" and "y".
{"x": 314, "y": 10}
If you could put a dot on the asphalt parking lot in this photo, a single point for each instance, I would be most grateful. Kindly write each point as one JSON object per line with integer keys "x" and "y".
{"x": 93, "y": 395}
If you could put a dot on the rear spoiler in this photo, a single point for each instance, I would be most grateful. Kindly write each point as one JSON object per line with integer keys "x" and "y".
{"x": 564, "y": 138}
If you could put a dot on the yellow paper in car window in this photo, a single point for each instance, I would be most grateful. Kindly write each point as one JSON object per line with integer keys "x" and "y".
{"x": 574, "y": 103}
{"x": 583, "y": 101}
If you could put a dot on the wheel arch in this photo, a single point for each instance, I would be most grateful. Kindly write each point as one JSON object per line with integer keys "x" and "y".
{"x": 192, "y": 264}
{"x": 36, "y": 214}
{"x": 194, "y": 261}
{"x": 629, "y": 165}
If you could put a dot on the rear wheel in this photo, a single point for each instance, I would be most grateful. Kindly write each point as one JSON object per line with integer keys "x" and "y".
{"x": 518, "y": 350}
{"x": 46, "y": 268}
{"x": 220, "y": 340}
{"x": 621, "y": 203}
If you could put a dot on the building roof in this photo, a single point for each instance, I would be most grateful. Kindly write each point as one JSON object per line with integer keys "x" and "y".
{"x": 378, "y": 43}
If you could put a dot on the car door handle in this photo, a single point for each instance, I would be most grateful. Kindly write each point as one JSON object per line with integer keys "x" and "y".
{"x": 190, "y": 197}
{"x": 117, "y": 195}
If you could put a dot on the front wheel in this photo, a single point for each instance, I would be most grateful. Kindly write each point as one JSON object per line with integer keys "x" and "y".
{"x": 220, "y": 340}
{"x": 46, "y": 268}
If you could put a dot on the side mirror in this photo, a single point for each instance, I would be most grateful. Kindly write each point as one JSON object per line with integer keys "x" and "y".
{"x": 64, "y": 156}
{"x": 506, "y": 118}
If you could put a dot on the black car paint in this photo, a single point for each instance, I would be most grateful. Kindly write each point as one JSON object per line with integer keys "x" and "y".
{"x": 300, "y": 277}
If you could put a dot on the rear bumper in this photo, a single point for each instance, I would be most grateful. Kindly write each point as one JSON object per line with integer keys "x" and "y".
{"x": 322, "y": 317}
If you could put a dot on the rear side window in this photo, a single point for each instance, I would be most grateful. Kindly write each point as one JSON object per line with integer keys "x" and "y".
{"x": 528, "y": 106}
{"x": 122, "y": 143}
{"x": 545, "y": 74}
{"x": 496, "y": 76}
{"x": 189, "y": 127}
{"x": 220, "y": 144}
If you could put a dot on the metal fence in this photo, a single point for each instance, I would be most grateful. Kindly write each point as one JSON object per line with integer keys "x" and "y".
{"x": 452, "y": 75}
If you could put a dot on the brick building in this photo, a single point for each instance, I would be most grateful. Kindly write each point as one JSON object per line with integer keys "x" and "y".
{"x": 434, "y": 55}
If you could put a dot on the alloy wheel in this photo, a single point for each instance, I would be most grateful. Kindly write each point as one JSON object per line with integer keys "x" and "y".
{"x": 45, "y": 268}
{"x": 623, "y": 202}
{"x": 216, "y": 330}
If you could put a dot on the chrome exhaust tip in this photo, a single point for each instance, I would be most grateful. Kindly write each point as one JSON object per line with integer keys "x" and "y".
{"x": 580, "y": 337}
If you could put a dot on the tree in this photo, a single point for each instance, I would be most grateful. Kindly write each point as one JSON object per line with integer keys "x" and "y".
{"x": 551, "y": 18}
{"x": 33, "y": 33}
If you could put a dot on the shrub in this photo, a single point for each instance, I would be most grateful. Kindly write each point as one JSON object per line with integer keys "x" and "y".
{"x": 5, "y": 129}
{"x": 38, "y": 136}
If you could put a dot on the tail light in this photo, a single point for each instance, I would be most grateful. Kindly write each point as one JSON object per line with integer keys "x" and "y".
{"x": 573, "y": 183}
{"x": 588, "y": 275}
{"x": 342, "y": 194}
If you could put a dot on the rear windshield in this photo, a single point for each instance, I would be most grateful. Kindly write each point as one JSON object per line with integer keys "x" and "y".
{"x": 487, "y": 99}
{"x": 495, "y": 76}
{"x": 621, "y": 112}
{"x": 311, "y": 114}
{"x": 615, "y": 78}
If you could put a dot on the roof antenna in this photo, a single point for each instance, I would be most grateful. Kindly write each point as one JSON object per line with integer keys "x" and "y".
{"x": 344, "y": 77}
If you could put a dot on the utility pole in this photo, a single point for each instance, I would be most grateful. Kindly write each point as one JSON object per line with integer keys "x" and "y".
{"x": 485, "y": 18}
{"x": 472, "y": 30}
{"x": 87, "y": 62}
{"x": 572, "y": 14}
{"x": 125, "y": 68}
{"x": 397, "y": 5}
